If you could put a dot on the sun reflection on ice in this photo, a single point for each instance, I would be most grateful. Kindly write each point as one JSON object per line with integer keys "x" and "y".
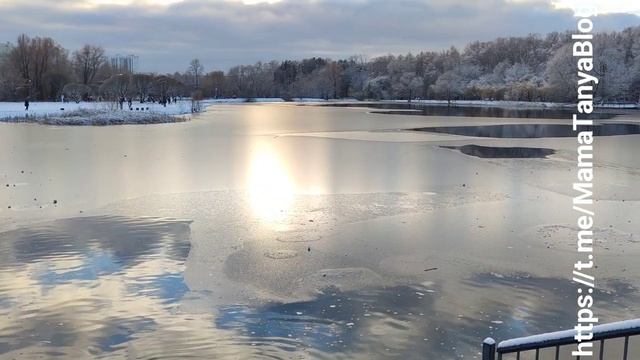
{"x": 270, "y": 187}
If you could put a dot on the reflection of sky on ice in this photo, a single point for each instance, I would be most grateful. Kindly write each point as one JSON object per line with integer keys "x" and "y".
{"x": 264, "y": 324}
{"x": 169, "y": 287}
{"x": 411, "y": 321}
{"x": 118, "y": 332}
{"x": 91, "y": 294}
{"x": 94, "y": 265}
{"x": 89, "y": 280}
{"x": 544, "y": 304}
{"x": 328, "y": 264}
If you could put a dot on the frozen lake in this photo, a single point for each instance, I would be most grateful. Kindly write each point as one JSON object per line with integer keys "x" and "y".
{"x": 285, "y": 231}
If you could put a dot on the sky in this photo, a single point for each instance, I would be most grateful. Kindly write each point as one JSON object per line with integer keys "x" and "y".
{"x": 167, "y": 34}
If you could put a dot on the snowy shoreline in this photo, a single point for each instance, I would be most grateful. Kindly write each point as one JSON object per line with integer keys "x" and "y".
{"x": 507, "y": 104}
{"x": 107, "y": 113}
{"x": 93, "y": 113}
{"x": 90, "y": 117}
{"x": 514, "y": 104}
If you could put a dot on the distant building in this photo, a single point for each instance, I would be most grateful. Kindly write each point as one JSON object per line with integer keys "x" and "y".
{"x": 124, "y": 63}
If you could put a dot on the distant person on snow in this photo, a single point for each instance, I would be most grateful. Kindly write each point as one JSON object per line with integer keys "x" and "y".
{"x": 26, "y": 105}
{"x": 129, "y": 103}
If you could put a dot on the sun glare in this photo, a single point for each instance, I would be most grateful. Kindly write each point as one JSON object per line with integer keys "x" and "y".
{"x": 270, "y": 188}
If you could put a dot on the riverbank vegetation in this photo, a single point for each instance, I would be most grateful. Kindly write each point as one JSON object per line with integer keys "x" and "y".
{"x": 531, "y": 68}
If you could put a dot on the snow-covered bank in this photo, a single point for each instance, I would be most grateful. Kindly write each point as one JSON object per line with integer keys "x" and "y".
{"x": 492, "y": 103}
{"x": 515, "y": 104}
{"x": 16, "y": 109}
{"x": 94, "y": 113}
{"x": 98, "y": 118}
{"x": 45, "y": 112}
{"x": 470, "y": 103}
{"x": 108, "y": 113}
{"x": 275, "y": 100}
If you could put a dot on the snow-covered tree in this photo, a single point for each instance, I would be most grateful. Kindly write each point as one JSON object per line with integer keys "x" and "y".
{"x": 449, "y": 85}
{"x": 613, "y": 75}
{"x": 561, "y": 74}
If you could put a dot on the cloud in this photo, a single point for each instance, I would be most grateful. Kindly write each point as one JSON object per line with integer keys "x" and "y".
{"x": 224, "y": 33}
{"x": 599, "y": 6}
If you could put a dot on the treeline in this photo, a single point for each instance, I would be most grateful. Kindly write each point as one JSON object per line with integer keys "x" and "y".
{"x": 41, "y": 69}
{"x": 531, "y": 68}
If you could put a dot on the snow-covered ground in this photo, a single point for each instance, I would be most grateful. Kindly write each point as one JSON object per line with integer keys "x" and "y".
{"x": 14, "y": 110}
{"x": 100, "y": 117}
{"x": 10, "y": 110}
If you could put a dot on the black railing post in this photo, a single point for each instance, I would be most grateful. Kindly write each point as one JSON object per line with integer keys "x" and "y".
{"x": 489, "y": 349}
{"x": 601, "y": 357}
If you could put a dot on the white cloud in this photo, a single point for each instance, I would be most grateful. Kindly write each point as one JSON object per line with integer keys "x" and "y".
{"x": 601, "y": 7}
{"x": 595, "y": 6}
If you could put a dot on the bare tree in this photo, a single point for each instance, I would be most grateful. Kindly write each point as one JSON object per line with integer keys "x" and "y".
{"x": 116, "y": 88}
{"x": 214, "y": 82}
{"x": 195, "y": 70}
{"x": 165, "y": 87}
{"x": 142, "y": 83}
{"x": 76, "y": 92}
{"x": 44, "y": 50}
{"x": 22, "y": 56}
{"x": 87, "y": 61}
{"x": 33, "y": 58}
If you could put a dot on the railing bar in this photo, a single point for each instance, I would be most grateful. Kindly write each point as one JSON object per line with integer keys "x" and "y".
{"x": 601, "y": 349}
{"x": 570, "y": 340}
{"x": 562, "y": 340}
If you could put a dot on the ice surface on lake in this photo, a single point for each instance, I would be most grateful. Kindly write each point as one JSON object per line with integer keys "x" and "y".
{"x": 296, "y": 246}
{"x": 297, "y": 256}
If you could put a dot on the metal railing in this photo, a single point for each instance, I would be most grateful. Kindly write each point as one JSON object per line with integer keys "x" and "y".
{"x": 622, "y": 329}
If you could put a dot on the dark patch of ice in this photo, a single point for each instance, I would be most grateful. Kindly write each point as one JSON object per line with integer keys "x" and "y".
{"x": 524, "y": 131}
{"x": 496, "y": 152}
